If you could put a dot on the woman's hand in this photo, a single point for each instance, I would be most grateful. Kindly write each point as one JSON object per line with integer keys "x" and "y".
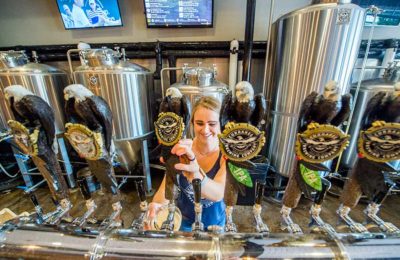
{"x": 188, "y": 165}
{"x": 152, "y": 211}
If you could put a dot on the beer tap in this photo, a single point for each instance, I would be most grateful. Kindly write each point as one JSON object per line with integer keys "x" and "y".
{"x": 138, "y": 223}
{"x": 316, "y": 210}
{"x": 343, "y": 213}
{"x": 292, "y": 227}
{"x": 197, "y": 225}
{"x": 114, "y": 220}
{"x": 90, "y": 204}
{"x": 168, "y": 224}
{"x": 40, "y": 216}
{"x": 372, "y": 210}
{"x": 38, "y": 209}
{"x": 261, "y": 227}
{"x": 62, "y": 211}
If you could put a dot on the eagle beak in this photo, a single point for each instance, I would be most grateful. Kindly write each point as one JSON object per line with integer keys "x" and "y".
{"x": 6, "y": 95}
{"x": 66, "y": 96}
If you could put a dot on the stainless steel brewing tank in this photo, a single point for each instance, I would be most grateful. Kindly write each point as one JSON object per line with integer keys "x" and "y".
{"x": 128, "y": 89}
{"x": 368, "y": 89}
{"x": 43, "y": 80}
{"x": 198, "y": 82}
{"x": 309, "y": 47}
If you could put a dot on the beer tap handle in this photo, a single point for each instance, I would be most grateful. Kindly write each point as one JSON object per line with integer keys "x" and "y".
{"x": 197, "y": 190}
{"x": 34, "y": 200}
{"x": 84, "y": 189}
{"x": 260, "y": 185}
{"x": 38, "y": 208}
{"x": 140, "y": 190}
{"x": 56, "y": 203}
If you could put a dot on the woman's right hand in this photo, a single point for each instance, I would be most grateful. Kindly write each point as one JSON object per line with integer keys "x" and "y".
{"x": 189, "y": 167}
{"x": 152, "y": 210}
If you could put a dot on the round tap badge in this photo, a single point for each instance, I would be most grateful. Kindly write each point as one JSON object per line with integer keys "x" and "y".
{"x": 26, "y": 141}
{"x": 169, "y": 128}
{"x": 380, "y": 142}
{"x": 241, "y": 141}
{"x": 86, "y": 143}
{"x": 320, "y": 143}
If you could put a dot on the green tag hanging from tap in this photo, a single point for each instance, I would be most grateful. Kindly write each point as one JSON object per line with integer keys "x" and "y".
{"x": 241, "y": 175}
{"x": 312, "y": 178}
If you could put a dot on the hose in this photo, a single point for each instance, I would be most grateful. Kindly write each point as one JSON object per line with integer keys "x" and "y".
{"x": 7, "y": 173}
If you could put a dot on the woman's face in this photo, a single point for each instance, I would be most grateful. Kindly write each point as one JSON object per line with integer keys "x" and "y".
{"x": 92, "y": 5}
{"x": 206, "y": 125}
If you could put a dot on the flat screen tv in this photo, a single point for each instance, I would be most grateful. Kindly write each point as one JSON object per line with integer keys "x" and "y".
{"x": 390, "y": 15}
{"x": 80, "y": 14}
{"x": 179, "y": 13}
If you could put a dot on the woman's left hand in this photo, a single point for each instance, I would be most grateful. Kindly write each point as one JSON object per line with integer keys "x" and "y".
{"x": 191, "y": 168}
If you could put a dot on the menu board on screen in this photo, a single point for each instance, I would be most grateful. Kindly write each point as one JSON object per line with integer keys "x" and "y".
{"x": 79, "y": 14}
{"x": 178, "y": 13}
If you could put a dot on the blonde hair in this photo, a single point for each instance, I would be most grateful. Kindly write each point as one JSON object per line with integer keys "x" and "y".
{"x": 207, "y": 102}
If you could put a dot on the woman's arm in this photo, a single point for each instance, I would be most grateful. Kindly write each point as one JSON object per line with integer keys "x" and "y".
{"x": 214, "y": 189}
{"x": 155, "y": 206}
{"x": 210, "y": 189}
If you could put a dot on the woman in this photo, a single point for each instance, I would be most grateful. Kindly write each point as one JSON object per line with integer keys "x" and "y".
{"x": 96, "y": 15}
{"x": 205, "y": 157}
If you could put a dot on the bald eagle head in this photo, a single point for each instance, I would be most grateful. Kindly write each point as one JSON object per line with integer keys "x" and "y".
{"x": 173, "y": 93}
{"x": 331, "y": 91}
{"x": 17, "y": 92}
{"x": 244, "y": 92}
{"x": 78, "y": 92}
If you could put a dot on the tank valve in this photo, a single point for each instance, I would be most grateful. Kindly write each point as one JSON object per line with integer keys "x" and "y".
{"x": 214, "y": 69}
{"x": 123, "y": 54}
{"x": 35, "y": 57}
{"x": 117, "y": 51}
